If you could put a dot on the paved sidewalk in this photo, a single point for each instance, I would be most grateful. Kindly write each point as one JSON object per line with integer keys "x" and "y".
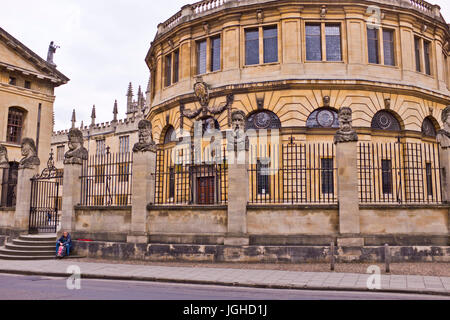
{"x": 231, "y": 277}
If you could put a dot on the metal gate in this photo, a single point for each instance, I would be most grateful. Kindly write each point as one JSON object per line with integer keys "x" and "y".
{"x": 46, "y": 199}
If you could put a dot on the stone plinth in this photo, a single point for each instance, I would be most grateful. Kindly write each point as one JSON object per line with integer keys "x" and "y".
{"x": 238, "y": 195}
{"x": 23, "y": 199}
{"x": 349, "y": 216}
{"x": 71, "y": 196}
{"x": 143, "y": 186}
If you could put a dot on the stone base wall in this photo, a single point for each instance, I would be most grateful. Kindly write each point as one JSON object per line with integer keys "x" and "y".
{"x": 202, "y": 225}
{"x": 255, "y": 254}
{"x": 7, "y": 217}
{"x": 102, "y": 223}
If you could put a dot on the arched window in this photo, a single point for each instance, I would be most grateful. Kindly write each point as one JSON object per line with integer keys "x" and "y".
{"x": 428, "y": 128}
{"x": 263, "y": 120}
{"x": 15, "y": 125}
{"x": 323, "y": 118}
{"x": 170, "y": 135}
{"x": 385, "y": 120}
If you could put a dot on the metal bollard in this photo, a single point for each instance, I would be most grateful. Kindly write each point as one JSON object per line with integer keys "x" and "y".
{"x": 332, "y": 256}
{"x": 387, "y": 258}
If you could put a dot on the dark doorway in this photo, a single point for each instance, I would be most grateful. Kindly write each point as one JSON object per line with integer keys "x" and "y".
{"x": 205, "y": 187}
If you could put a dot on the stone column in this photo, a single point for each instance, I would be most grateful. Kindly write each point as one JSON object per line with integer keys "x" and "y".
{"x": 73, "y": 164}
{"x": 238, "y": 183}
{"x": 443, "y": 138}
{"x": 23, "y": 198}
{"x": 346, "y": 141}
{"x": 143, "y": 186}
{"x": 238, "y": 194}
{"x": 71, "y": 196}
{"x": 143, "y": 183}
{"x": 28, "y": 168}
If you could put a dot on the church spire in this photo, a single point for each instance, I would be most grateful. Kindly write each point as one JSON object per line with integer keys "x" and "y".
{"x": 130, "y": 98}
{"x": 93, "y": 116}
{"x": 115, "y": 111}
{"x": 74, "y": 119}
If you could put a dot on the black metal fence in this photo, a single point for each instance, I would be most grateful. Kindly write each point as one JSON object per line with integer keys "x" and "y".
{"x": 400, "y": 173}
{"x": 106, "y": 180}
{"x": 299, "y": 173}
{"x": 183, "y": 180}
{"x": 8, "y": 186}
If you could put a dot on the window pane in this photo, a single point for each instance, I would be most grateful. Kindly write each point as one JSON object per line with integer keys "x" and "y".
{"x": 313, "y": 43}
{"x": 333, "y": 39}
{"x": 168, "y": 70}
{"x": 372, "y": 38}
{"x": 15, "y": 122}
{"x": 426, "y": 49}
{"x": 429, "y": 172}
{"x": 251, "y": 47}
{"x": 388, "y": 45}
{"x": 201, "y": 57}
{"x": 176, "y": 64}
{"x": 387, "y": 176}
{"x": 215, "y": 54}
{"x": 124, "y": 144}
{"x": 270, "y": 44}
{"x": 417, "y": 50}
{"x": 327, "y": 176}
{"x": 263, "y": 177}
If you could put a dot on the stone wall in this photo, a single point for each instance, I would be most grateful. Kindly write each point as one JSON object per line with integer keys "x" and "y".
{"x": 255, "y": 254}
{"x": 102, "y": 223}
{"x": 7, "y": 217}
{"x": 206, "y": 225}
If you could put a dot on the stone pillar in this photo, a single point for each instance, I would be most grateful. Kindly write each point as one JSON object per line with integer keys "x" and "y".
{"x": 143, "y": 186}
{"x": 443, "y": 138}
{"x": 23, "y": 198}
{"x": 346, "y": 141}
{"x": 143, "y": 183}
{"x": 71, "y": 195}
{"x": 238, "y": 195}
{"x": 238, "y": 184}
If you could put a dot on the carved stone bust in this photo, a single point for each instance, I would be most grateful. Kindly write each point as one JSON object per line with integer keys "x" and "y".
{"x": 77, "y": 152}
{"x": 443, "y": 136}
{"x": 30, "y": 159}
{"x": 146, "y": 142}
{"x": 346, "y": 133}
{"x": 239, "y": 139}
{"x": 4, "y": 162}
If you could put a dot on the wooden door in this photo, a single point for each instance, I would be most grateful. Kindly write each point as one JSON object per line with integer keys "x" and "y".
{"x": 205, "y": 188}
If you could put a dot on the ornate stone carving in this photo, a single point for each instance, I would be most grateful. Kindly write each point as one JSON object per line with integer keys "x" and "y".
{"x": 443, "y": 136}
{"x": 4, "y": 162}
{"x": 201, "y": 91}
{"x": 30, "y": 159}
{"x": 346, "y": 133}
{"x": 146, "y": 142}
{"x": 239, "y": 140}
{"x": 77, "y": 152}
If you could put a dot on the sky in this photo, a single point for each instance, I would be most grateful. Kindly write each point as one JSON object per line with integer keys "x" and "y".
{"x": 103, "y": 47}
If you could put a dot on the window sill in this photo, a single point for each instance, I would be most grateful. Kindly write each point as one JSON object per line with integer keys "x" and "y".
{"x": 314, "y": 62}
{"x": 11, "y": 144}
{"x": 425, "y": 75}
{"x": 384, "y": 65}
{"x": 262, "y": 64}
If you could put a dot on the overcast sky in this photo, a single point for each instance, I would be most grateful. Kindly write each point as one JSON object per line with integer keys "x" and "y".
{"x": 103, "y": 46}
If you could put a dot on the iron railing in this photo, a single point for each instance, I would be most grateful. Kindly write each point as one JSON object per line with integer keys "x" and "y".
{"x": 183, "y": 180}
{"x": 106, "y": 180}
{"x": 299, "y": 173}
{"x": 400, "y": 173}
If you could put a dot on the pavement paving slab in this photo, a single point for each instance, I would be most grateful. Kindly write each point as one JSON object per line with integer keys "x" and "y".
{"x": 223, "y": 276}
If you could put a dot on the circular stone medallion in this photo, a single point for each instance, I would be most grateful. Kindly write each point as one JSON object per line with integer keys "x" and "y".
{"x": 325, "y": 118}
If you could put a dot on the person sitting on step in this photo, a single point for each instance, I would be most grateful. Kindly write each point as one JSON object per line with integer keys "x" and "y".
{"x": 66, "y": 242}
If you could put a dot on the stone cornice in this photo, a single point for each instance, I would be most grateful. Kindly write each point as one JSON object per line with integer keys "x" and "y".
{"x": 350, "y": 84}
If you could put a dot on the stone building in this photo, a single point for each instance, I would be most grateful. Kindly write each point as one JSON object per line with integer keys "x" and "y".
{"x": 27, "y": 94}
{"x": 118, "y": 134}
{"x": 290, "y": 66}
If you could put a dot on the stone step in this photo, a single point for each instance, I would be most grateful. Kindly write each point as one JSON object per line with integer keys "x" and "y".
{"x": 30, "y": 248}
{"x": 9, "y": 252}
{"x": 34, "y": 243}
{"x": 8, "y": 257}
{"x": 46, "y": 237}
